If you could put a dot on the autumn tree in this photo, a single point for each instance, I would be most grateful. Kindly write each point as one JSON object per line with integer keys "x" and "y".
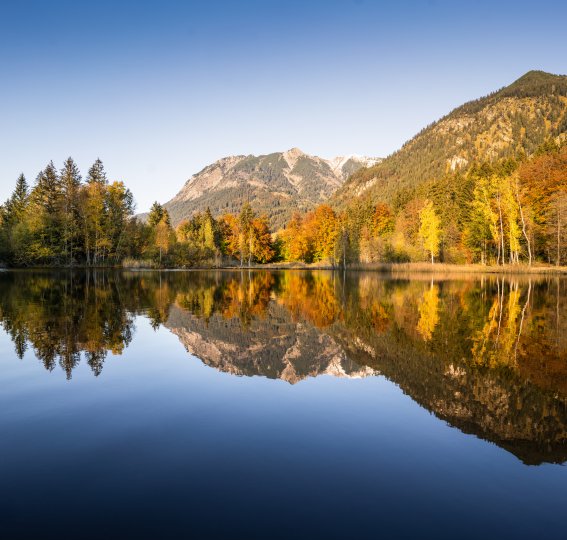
{"x": 429, "y": 230}
{"x": 544, "y": 182}
{"x": 382, "y": 220}
{"x": 119, "y": 204}
{"x": 261, "y": 245}
{"x": 296, "y": 244}
{"x": 229, "y": 235}
{"x": 162, "y": 238}
{"x": 160, "y": 223}
{"x": 324, "y": 233}
{"x": 94, "y": 213}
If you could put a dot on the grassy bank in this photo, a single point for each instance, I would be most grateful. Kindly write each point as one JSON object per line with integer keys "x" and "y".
{"x": 419, "y": 267}
{"x": 387, "y": 268}
{"x": 423, "y": 267}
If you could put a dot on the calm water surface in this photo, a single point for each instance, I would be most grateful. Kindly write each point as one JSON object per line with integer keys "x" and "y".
{"x": 282, "y": 405}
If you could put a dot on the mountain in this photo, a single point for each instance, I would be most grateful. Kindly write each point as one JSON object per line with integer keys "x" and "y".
{"x": 275, "y": 184}
{"x": 516, "y": 119}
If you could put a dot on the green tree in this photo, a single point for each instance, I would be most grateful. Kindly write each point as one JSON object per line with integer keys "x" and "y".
{"x": 97, "y": 174}
{"x": 44, "y": 217}
{"x": 157, "y": 214}
{"x": 72, "y": 230}
{"x": 246, "y": 238}
{"x": 19, "y": 199}
{"x": 119, "y": 204}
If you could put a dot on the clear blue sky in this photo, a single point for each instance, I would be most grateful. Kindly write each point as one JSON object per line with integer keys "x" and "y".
{"x": 158, "y": 90}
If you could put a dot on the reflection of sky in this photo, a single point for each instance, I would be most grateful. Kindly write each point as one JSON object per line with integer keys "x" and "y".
{"x": 160, "y": 435}
{"x": 160, "y": 89}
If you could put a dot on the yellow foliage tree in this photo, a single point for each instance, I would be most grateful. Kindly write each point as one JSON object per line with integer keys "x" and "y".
{"x": 429, "y": 230}
{"x": 428, "y": 313}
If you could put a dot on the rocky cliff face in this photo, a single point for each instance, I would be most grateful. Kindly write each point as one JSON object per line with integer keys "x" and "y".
{"x": 275, "y": 184}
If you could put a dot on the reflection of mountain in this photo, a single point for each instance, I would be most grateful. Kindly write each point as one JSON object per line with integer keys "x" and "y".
{"x": 492, "y": 404}
{"x": 419, "y": 337}
{"x": 272, "y": 346}
{"x": 500, "y": 404}
{"x": 489, "y": 357}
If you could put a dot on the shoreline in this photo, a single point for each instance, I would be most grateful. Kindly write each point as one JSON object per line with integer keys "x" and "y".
{"x": 386, "y": 268}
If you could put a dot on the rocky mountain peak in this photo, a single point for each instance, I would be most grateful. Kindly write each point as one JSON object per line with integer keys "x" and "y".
{"x": 276, "y": 184}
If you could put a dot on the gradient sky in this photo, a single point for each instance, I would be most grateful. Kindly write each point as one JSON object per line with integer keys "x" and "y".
{"x": 158, "y": 90}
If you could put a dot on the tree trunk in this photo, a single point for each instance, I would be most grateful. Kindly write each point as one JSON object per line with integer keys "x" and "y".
{"x": 524, "y": 231}
{"x": 558, "y": 230}
{"x": 501, "y": 231}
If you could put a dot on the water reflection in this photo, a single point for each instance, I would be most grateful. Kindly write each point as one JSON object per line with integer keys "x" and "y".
{"x": 488, "y": 355}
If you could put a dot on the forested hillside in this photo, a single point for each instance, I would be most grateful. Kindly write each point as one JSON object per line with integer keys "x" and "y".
{"x": 509, "y": 211}
{"x": 508, "y": 123}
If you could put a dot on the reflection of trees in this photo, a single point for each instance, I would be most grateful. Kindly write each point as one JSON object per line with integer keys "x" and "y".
{"x": 494, "y": 364}
{"x": 496, "y": 344}
{"x": 246, "y": 296}
{"x": 428, "y": 312}
{"x": 61, "y": 318}
{"x": 311, "y": 296}
{"x": 489, "y": 356}
{"x": 496, "y": 323}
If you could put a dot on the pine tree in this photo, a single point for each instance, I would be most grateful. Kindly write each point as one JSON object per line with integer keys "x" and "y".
{"x": 157, "y": 214}
{"x": 47, "y": 191}
{"x": 97, "y": 174}
{"x": 246, "y": 238}
{"x": 94, "y": 213}
{"x": 71, "y": 185}
{"x": 19, "y": 199}
{"x": 45, "y": 216}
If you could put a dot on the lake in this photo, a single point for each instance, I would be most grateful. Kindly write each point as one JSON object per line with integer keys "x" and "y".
{"x": 292, "y": 404}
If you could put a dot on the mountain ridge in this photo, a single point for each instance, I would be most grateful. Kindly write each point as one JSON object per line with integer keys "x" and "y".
{"x": 276, "y": 184}
{"x": 513, "y": 120}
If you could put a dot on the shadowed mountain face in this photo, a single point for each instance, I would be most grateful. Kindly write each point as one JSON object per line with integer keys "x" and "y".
{"x": 486, "y": 355}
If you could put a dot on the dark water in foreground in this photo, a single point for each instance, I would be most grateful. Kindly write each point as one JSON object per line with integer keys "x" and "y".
{"x": 282, "y": 405}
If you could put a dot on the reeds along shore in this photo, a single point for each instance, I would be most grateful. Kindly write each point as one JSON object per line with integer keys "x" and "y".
{"x": 462, "y": 268}
{"x": 394, "y": 268}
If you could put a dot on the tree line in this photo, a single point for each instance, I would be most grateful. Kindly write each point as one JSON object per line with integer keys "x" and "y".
{"x": 62, "y": 220}
{"x": 503, "y": 212}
